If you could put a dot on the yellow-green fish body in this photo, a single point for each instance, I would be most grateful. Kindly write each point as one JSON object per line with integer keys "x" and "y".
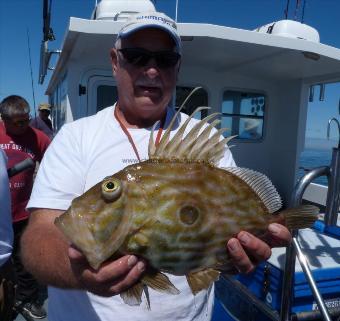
{"x": 176, "y": 210}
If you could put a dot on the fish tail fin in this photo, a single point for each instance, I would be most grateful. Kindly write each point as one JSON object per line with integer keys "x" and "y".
{"x": 302, "y": 216}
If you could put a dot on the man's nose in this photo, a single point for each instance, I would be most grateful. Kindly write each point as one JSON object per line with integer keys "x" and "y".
{"x": 151, "y": 69}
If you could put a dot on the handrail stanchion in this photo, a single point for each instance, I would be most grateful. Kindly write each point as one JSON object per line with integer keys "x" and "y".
{"x": 333, "y": 195}
{"x": 289, "y": 271}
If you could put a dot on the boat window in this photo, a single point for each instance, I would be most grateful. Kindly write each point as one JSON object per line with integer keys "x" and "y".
{"x": 199, "y": 98}
{"x": 243, "y": 114}
{"x": 106, "y": 96}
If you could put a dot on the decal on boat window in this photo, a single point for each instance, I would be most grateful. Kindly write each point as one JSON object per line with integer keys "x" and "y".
{"x": 243, "y": 114}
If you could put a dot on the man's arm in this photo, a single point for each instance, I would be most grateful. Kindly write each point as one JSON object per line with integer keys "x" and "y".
{"x": 49, "y": 257}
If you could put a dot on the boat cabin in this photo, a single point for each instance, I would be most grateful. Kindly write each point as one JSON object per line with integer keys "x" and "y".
{"x": 258, "y": 80}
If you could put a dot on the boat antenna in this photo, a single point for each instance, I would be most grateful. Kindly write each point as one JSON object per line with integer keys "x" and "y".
{"x": 176, "y": 10}
{"x": 286, "y": 10}
{"x": 30, "y": 61}
{"x": 303, "y": 11}
{"x": 47, "y": 30}
{"x": 297, "y": 5}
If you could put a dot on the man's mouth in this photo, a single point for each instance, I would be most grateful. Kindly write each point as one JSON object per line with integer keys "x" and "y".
{"x": 149, "y": 90}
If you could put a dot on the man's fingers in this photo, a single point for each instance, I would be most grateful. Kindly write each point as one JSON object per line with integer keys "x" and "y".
{"x": 74, "y": 254}
{"x": 112, "y": 277}
{"x": 239, "y": 256}
{"x": 257, "y": 249}
{"x": 113, "y": 270}
{"x": 130, "y": 279}
{"x": 246, "y": 251}
{"x": 279, "y": 235}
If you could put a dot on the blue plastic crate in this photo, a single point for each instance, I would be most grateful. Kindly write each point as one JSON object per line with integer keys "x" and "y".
{"x": 265, "y": 283}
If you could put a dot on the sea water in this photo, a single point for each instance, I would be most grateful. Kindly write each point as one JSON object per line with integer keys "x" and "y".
{"x": 311, "y": 158}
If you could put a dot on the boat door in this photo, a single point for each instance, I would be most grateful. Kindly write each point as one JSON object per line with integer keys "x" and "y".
{"x": 102, "y": 92}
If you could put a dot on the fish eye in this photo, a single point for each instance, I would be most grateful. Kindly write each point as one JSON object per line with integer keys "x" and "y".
{"x": 111, "y": 189}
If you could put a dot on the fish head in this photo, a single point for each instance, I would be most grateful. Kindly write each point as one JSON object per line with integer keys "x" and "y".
{"x": 93, "y": 217}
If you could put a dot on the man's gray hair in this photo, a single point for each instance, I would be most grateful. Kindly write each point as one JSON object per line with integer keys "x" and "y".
{"x": 118, "y": 44}
{"x": 12, "y": 106}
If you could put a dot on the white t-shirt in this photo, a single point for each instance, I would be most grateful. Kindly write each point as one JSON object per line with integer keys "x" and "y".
{"x": 81, "y": 155}
{"x": 6, "y": 231}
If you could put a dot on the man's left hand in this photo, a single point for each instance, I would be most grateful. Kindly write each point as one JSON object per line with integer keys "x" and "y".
{"x": 247, "y": 251}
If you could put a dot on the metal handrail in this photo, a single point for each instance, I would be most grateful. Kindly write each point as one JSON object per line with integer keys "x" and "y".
{"x": 294, "y": 248}
{"x": 333, "y": 194}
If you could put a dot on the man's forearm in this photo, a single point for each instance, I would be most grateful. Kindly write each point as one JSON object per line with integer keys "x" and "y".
{"x": 44, "y": 250}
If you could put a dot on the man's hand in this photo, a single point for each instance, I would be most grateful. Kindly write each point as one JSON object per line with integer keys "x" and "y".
{"x": 111, "y": 278}
{"x": 247, "y": 251}
{"x": 56, "y": 263}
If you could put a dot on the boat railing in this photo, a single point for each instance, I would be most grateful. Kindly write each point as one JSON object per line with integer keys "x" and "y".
{"x": 294, "y": 248}
{"x": 332, "y": 173}
{"x": 333, "y": 194}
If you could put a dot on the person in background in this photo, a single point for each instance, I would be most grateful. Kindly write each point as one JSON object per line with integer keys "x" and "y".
{"x": 20, "y": 141}
{"x": 145, "y": 62}
{"x": 42, "y": 121}
{"x": 6, "y": 241}
{"x": 251, "y": 127}
{"x": 6, "y": 230}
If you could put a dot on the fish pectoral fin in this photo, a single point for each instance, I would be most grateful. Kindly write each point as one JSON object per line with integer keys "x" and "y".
{"x": 159, "y": 282}
{"x": 133, "y": 295}
{"x": 202, "y": 279}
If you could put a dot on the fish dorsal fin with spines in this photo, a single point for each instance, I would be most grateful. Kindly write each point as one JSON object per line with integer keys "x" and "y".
{"x": 261, "y": 185}
{"x": 197, "y": 144}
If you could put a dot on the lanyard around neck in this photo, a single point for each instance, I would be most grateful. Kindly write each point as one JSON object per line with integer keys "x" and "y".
{"x": 128, "y": 135}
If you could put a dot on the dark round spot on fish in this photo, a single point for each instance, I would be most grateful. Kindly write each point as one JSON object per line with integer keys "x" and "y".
{"x": 188, "y": 214}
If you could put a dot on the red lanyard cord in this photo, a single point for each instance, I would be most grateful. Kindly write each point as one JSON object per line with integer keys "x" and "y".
{"x": 128, "y": 135}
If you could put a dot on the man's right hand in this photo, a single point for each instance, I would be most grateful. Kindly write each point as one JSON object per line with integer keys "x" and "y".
{"x": 54, "y": 262}
{"x": 111, "y": 278}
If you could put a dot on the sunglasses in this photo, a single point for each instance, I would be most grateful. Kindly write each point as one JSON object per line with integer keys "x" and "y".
{"x": 18, "y": 123}
{"x": 139, "y": 57}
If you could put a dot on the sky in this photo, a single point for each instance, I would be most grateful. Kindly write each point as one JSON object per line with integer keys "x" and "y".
{"x": 21, "y": 36}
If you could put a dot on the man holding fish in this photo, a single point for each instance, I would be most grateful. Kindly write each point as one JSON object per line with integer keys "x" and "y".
{"x": 111, "y": 253}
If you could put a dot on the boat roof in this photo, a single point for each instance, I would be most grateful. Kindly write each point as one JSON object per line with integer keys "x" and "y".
{"x": 222, "y": 49}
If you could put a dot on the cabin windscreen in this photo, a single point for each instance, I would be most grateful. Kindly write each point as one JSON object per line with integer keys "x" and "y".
{"x": 199, "y": 98}
{"x": 243, "y": 114}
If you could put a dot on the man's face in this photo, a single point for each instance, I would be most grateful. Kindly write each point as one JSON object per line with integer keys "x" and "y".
{"x": 17, "y": 125}
{"x": 44, "y": 113}
{"x": 145, "y": 90}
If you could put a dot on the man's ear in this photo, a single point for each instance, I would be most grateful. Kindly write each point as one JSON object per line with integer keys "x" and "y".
{"x": 114, "y": 60}
{"x": 178, "y": 68}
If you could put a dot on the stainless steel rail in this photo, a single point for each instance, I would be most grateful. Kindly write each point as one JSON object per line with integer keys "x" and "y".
{"x": 293, "y": 248}
{"x": 333, "y": 194}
